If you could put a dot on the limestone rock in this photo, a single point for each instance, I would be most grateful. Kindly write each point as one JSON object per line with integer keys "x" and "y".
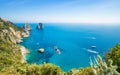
{"x": 27, "y": 27}
{"x": 24, "y": 52}
{"x": 40, "y": 26}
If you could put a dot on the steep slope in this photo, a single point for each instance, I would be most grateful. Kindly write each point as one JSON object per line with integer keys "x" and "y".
{"x": 10, "y": 53}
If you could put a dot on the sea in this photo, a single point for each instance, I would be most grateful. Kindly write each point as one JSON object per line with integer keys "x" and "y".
{"x": 77, "y": 43}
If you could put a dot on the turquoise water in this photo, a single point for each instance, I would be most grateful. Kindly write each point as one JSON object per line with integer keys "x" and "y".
{"x": 73, "y": 40}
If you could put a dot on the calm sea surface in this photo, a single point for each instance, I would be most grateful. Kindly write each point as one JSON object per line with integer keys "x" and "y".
{"x": 75, "y": 42}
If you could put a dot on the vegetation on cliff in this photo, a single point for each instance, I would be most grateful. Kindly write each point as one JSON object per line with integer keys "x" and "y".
{"x": 114, "y": 55}
{"x": 100, "y": 67}
{"x": 6, "y": 24}
{"x": 9, "y": 51}
{"x": 11, "y": 56}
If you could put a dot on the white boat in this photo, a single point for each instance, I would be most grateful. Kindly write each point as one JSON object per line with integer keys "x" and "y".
{"x": 41, "y": 50}
{"x": 93, "y": 46}
{"x": 57, "y": 50}
{"x": 92, "y": 51}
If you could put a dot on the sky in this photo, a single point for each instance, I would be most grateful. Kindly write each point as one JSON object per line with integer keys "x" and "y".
{"x": 62, "y": 11}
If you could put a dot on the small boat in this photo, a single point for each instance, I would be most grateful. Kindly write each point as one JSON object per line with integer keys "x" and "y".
{"x": 93, "y": 46}
{"x": 41, "y": 50}
{"x": 92, "y": 51}
{"x": 57, "y": 50}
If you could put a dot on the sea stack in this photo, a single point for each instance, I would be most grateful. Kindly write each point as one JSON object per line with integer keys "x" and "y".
{"x": 40, "y": 26}
{"x": 27, "y": 27}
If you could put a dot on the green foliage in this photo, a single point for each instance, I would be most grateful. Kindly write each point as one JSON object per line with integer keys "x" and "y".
{"x": 114, "y": 55}
{"x": 9, "y": 54}
{"x": 33, "y": 69}
{"x": 45, "y": 69}
{"x": 100, "y": 67}
{"x": 81, "y": 71}
{"x": 6, "y": 24}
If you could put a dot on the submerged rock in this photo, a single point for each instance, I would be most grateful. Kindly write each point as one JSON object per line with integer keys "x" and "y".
{"x": 40, "y": 26}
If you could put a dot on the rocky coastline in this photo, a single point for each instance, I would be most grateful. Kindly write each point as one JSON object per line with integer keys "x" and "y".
{"x": 26, "y": 33}
{"x": 19, "y": 36}
{"x": 9, "y": 32}
{"x": 24, "y": 52}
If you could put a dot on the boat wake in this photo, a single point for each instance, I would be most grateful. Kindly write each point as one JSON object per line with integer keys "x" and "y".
{"x": 92, "y": 51}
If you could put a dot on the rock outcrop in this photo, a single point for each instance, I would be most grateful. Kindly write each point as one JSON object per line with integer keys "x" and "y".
{"x": 39, "y": 26}
{"x": 24, "y": 52}
{"x": 26, "y": 28}
{"x": 10, "y": 33}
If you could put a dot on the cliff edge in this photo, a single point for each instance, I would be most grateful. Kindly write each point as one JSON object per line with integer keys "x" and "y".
{"x": 10, "y": 52}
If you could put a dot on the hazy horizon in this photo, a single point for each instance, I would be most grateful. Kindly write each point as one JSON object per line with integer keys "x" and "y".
{"x": 61, "y": 11}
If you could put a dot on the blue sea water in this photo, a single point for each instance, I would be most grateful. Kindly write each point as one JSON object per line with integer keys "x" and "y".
{"x": 73, "y": 40}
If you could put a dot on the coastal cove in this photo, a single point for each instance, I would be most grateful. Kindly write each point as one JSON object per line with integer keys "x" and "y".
{"x": 74, "y": 41}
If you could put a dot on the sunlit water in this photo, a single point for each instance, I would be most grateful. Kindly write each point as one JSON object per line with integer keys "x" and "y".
{"x": 75, "y": 42}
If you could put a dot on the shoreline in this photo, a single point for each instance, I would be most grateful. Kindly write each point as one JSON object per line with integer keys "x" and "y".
{"x": 24, "y": 52}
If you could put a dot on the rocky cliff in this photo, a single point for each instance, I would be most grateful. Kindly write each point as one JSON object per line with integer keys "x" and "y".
{"x": 12, "y": 55}
{"x": 10, "y": 32}
{"x": 26, "y": 28}
{"x": 10, "y": 35}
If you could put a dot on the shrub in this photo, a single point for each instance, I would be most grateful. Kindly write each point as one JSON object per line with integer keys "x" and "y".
{"x": 100, "y": 67}
{"x": 114, "y": 55}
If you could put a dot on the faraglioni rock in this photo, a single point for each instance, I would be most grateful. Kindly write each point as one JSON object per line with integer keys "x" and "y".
{"x": 40, "y": 26}
{"x": 27, "y": 27}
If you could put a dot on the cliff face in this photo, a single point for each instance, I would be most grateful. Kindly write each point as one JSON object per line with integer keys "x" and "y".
{"x": 26, "y": 28}
{"x": 10, "y": 52}
{"x": 12, "y": 56}
{"x": 10, "y": 32}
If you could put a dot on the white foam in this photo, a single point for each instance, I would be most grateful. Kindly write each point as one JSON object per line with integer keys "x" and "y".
{"x": 92, "y": 51}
